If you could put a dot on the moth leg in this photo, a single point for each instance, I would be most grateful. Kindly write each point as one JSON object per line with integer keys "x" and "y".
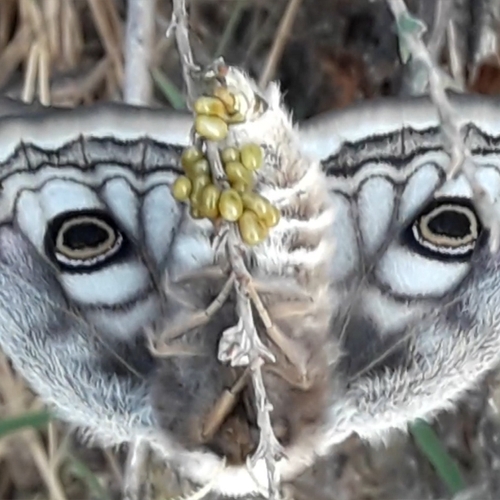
{"x": 224, "y": 405}
{"x": 199, "y": 318}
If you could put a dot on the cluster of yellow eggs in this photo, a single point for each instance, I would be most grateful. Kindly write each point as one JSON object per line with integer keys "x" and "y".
{"x": 214, "y": 114}
{"x": 254, "y": 214}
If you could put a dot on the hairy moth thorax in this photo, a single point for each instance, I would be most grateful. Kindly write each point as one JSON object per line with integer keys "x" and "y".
{"x": 290, "y": 272}
{"x": 291, "y": 268}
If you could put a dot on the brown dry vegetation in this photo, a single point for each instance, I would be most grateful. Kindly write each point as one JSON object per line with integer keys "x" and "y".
{"x": 70, "y": 53}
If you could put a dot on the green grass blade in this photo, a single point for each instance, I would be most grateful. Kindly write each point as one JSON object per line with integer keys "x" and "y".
{"x": 35, "y": 420}
{"x": 429, "y": 443}
{"x": 169, "y": 90}
{"x": 80, "y": 471}
{"x": 234, "y": 19}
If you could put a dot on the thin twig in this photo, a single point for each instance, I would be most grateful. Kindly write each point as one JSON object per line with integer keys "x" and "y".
{"x": 279, "y": 42}
{"x": 137, "y": 87}
{"x": 181, "y": 27}
{"x": 410, "y": 31}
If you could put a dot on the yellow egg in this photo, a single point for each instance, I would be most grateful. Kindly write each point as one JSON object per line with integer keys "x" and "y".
{"x": 198, "y": 184}
{"x": 252, "y": 156}
{"x": 227, "y": 98}
{"x": 272, "y": 217}
{"x": 209, "y": 201}
{"x": 236, "y": 118}
{"x": 199, "y": 167}
{"x": 230, "y": 154}
{"x": 190, "y": 155}
{"x": 195, "y": 213}
{"x": 236, "y": 172}
{"x": 252, "y": 230}
{"x": 210, "y": 106}
{"x": 212, "y": 128}
{"x": 240, "y": 187}
{"x": 257, "y": 204}
{"x": 230, "y": 205}
{"x": 182, "y": 188}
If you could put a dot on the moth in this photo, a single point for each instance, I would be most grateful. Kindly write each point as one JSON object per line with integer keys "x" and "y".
{"x": 406, "y": 293}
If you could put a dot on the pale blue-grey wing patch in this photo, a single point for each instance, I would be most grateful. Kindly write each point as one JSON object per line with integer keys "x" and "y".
{"x": 408, "y": 274}
{"x": 376, "y": 203}
{"x": 124, "y": 202}
{"x": 419, "y": 187}
{"x": 347, "y": 257}
{"x": 192, "y": 248}
{"x": 489, "y": 177}
{"x": 160, "y": 217}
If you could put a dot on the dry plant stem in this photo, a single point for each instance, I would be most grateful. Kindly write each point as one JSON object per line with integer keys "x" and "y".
{"x": 103, "y": 14}
{"x": 180, "y": 25}
{"x": 268, "y": 449}
{"x": 454, "y": 56}
{"x": 10, "y": 390}
{"x": 461, "y": 159}
{"x": 443, "y": 13}
{"x": 138, "y": 51}
{"x": 279, "y": 42}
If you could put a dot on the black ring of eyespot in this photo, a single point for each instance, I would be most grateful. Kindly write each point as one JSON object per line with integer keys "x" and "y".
{"x": 83, "y": 240}
{"x": 447, "y": 229}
